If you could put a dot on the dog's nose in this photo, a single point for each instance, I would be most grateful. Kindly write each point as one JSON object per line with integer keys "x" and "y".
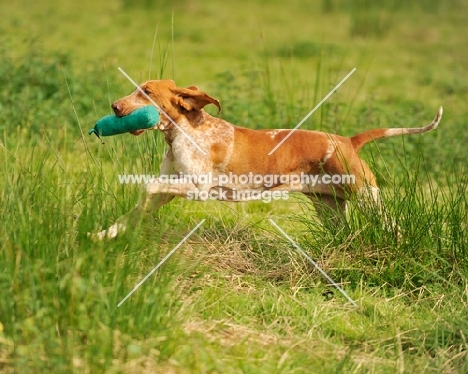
{"x": 117, "y": 108}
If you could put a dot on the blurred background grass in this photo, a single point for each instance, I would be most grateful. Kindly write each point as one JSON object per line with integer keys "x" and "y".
{"x": 237, "y": 299}
{"x": 267, "y": 64}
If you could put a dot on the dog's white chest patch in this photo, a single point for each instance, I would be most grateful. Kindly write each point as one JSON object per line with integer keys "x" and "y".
{"x": 188, "y": 158}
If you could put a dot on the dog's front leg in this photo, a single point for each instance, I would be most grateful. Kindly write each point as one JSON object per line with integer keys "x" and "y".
{"x": 156, "y": 193}
{"x": 151, "y": 199}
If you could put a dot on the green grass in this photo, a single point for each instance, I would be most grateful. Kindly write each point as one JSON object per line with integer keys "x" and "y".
{"x": 237, "y": 297}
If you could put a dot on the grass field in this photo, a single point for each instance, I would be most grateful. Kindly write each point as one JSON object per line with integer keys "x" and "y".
{"x": 236, "y": 297}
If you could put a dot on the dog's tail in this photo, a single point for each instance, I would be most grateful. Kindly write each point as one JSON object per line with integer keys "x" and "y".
{"x": 360, "y": 139}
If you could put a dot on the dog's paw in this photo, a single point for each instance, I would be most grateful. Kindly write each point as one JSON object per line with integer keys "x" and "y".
{"x": 97, "y": 236}
{"x": 394, "y": 229}
{"x": 110, "y": 233}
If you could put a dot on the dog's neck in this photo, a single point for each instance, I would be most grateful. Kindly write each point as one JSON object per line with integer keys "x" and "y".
{"x": 197, "y": 118}
{"x": 186, "y": 121}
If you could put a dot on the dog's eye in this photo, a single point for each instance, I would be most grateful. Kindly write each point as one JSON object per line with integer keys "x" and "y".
{"x": 144, "y": 90}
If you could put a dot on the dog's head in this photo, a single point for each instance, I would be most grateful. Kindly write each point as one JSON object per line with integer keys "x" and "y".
{"x": 173, "y": 101}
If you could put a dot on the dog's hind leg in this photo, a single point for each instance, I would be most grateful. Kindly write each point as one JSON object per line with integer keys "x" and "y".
{"x": 331, "y": 210}
{"x": 369, "y": 201}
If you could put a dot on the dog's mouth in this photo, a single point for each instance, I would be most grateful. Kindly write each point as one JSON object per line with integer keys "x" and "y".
{"x": 120, "y": 109}
{"x": 121, "y": 112}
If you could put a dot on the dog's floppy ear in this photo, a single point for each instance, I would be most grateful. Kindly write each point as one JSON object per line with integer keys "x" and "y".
{"x": 193, "y": 99}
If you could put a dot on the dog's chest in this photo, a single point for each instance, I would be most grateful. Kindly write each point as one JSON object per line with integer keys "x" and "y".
{"x": 214, "y": 137}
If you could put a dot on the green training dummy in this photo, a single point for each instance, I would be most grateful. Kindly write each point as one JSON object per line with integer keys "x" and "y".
{"x": 141, "y": 118}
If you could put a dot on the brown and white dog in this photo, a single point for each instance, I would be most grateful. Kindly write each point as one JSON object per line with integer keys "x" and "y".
{"x": 201, "y": 144}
